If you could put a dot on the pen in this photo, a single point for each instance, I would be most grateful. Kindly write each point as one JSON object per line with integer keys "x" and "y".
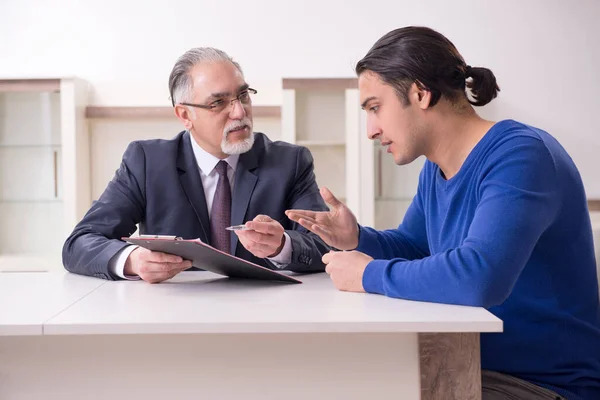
{"x": 237, "y": 228}
{"x": 243, "y": 227}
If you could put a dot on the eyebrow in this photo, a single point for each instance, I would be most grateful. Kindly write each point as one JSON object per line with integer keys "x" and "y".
{"x": 221, "y": 95}
{"x": 364, "y": 103}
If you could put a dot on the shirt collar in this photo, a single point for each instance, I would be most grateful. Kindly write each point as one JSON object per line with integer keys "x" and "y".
{"x": 207, "y": 162}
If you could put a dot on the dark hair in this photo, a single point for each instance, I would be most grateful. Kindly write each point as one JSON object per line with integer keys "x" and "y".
{"x": 427, "y": 58}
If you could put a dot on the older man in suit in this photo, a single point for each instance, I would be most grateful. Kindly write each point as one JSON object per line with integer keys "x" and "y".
{"x": 216, "y": 173}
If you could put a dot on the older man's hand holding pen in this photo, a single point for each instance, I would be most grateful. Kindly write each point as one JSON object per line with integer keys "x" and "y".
{"x": 263, "y": 236}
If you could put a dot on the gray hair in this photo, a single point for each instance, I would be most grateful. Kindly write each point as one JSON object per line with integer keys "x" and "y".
{"x": 180, "y": 82}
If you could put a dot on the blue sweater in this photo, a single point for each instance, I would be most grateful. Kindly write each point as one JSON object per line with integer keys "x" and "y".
{"x": 509, "y": 232}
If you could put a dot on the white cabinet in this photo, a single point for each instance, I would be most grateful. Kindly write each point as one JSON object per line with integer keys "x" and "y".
{"x": 395, "y": 187}
{"x": 44, "y": 169}
{"x": 325, "y": 116}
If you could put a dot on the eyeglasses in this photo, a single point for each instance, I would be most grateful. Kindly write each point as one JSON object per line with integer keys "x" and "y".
{"x": 221, "y": 104}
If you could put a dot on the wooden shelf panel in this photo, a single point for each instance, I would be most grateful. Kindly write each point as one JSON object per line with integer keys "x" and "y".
{"x": 30, "y": 201}
{"x": 128, "y": 112}
{"x": 266, "y": 111}
{"x": 104, "y": 112}
{"x": 31, "y": 146}
{"x": 29, "y": 85}
{"x": 594, "y": 204}
{"x": 323, "y": 143}
{"x": 320, "y": 83}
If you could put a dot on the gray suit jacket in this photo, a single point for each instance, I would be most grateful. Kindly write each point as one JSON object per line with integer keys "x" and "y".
{"x": 158, "y": 185}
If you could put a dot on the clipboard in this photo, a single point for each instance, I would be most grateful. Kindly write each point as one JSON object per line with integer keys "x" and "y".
{"x": 208, "y": 258}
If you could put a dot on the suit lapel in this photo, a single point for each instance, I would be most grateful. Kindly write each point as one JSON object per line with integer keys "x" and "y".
{"x": 245, "y": 181}
{"x": 190, "y": 180}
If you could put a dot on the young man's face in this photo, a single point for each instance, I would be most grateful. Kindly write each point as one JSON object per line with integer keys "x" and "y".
{"x": 398, "y": 127}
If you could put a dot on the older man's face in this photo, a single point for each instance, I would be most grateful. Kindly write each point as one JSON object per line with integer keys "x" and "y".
{"x": 227, "y": 128}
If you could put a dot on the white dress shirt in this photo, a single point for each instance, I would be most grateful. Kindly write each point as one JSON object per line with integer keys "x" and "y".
{"x": 210, "y": 177}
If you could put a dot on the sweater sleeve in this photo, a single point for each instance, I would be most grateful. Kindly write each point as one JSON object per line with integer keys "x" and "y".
{"x": 517, "y": 201}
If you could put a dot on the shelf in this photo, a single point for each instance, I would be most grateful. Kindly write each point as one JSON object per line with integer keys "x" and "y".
{"x": 393, "y": 198}
{"x": 29, "y": 85}
{"x": 106, "y": 112}
{"x": 29, "y": 146}
{"x": 315, "y": 143}
{"x": 320, "y": 83}
{"x": 44, "y": 164}
{"x": 30, "y": 201}
{"x": 594, "y": 204}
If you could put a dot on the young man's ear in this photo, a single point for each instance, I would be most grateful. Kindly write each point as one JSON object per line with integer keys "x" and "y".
{"x": 419, "y": 95}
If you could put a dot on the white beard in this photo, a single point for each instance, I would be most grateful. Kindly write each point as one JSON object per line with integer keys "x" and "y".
{"x": 239, "y": 147}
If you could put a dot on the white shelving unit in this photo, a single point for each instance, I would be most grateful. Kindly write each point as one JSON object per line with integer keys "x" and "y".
{"x": 324, "y": 115}
{"x": 395, "y": 187}
{"x": 44, "y": 169}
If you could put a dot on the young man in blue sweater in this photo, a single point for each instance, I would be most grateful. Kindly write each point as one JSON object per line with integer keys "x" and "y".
{"x": 499, "y": 221}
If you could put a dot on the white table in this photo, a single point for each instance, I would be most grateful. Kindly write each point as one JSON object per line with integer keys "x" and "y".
{"x": 27, "y": 300}
{"x": 202, "y": 336}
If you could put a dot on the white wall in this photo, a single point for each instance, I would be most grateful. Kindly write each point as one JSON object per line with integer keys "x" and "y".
{"x": 545, "y": 53}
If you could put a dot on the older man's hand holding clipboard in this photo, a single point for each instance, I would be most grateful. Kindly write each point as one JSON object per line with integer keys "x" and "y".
{"x": 153, "y": 266}
{"x": 203, "y": 256}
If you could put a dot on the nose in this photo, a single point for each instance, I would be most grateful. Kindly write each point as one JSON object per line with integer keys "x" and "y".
{"x": 237, "y": 110}
{"x": 373, "y": 129}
